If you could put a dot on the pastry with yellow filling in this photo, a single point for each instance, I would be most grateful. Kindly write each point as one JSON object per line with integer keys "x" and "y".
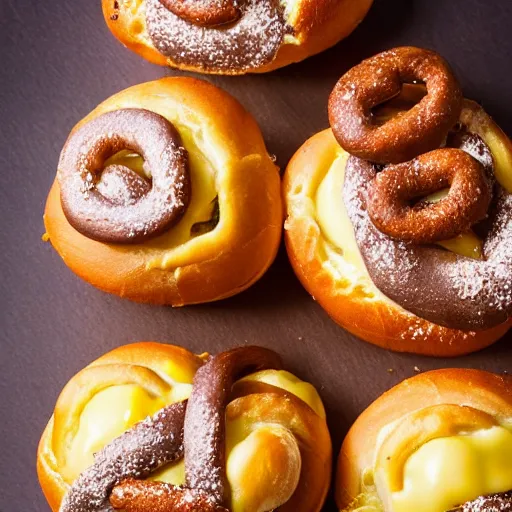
{"x": 231, "y": 37}
{"x": 438, "y": 442}
{"x": 399, "y": 217}
{"x": 166, "y": 194}
{"x": 152, "y": 427}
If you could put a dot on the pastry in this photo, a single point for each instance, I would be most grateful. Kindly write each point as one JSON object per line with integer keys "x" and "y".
{"x": 399, "y": 219}
{"x": 155, "y": 428}
{"x": 438, "y": 442}
{"x": 166, "y": 194}
{"x": 231, "y": 37}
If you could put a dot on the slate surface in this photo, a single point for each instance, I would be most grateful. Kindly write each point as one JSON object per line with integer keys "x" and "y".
{"x": 58, "y": 61}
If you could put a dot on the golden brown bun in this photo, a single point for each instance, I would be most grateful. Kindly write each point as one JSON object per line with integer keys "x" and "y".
{"x": 278, "y": 418}
{"x": 139, "y": 362}
{"x": 318, "y": 25}
{"x": 214, "y": 266}
{"x": 352, "y": 300}
{"x": 487, "y": 393}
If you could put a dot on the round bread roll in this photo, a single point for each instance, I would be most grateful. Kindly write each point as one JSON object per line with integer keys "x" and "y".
{"x": 253, "y": 436}
{"x": 326, "y": 254}
{"x": 178, "y": 201}
{"x": 437, "y": 442}
{"x": 231, "y": 37}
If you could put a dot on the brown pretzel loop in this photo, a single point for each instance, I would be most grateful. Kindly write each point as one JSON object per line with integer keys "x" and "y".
{"x": 205, "y": 425}
{"x": 380, "y": 78}
{"x": 146, "y": 447}
{"x": 393, "y": 189}
{"x": 204, "y": 439}
{"x": 206, "y": 13}
{"x": 115, "y": 204}
{"x": 137, "y": 496}
{"x": 430, "y": 282}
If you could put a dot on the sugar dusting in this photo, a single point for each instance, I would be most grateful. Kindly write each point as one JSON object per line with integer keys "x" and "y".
{"x": 436, "y": 285}
{"x": 148, "y": 446}
{"x": 249, "y": 43}
{"x": 122, "y": 206}
{"x": 495, "y": 503}
{"x": 489, "y": 282}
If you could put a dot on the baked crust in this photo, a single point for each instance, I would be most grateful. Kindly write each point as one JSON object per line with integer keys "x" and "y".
{"x": 487, "y": 393}
{"x": 214, "y": 266}
{"x": 318, "y": 25}
{"x": 153, "y": 357}
{"x": 370, "y": 316}
{"x": 254, "y": 404}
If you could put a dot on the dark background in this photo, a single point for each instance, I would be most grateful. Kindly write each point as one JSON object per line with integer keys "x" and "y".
{"x": 58, "y": 61}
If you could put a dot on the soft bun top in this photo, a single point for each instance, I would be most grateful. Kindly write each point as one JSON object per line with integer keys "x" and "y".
{"x": 437, "y": 404}
{"x": 277, "y": 445}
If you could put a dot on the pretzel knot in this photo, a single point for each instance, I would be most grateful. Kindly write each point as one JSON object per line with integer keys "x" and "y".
{"x": 379, "y": 79}
{"x": 393, "y": 189}
{"x": 114, "y": 204}
{"x": 206, "y": 487}
{"x": 206, "y": 13}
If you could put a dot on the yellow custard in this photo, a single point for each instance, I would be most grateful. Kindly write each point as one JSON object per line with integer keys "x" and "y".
{"x": 107, "y": 415}
{"x": 447, "y": 472}
{"x": 115, "y": 410}
{"x": 287, "y": 381}
{"x": 336, "y": 226}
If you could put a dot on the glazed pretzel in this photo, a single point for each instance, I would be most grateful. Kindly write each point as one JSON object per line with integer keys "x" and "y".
{"x": 380, "y": 78}
{"x": 421, "y": 129}
{"x": 204, "y": 438}
{"x": 117, "y": 205}
{"x": 467, "y": 202}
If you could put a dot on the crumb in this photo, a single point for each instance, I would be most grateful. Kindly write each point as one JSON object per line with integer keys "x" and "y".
{"x": 390, "y": 370}
{"x": 416, "y": 369}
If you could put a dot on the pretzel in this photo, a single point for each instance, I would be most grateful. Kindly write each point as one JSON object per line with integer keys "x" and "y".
{"x": 390, "y": 193}
{"x": 186, "y": 32}
{"x": 165, "y": 193}
{"x": 204, "y": 435}
{"x": 231, "y": 36}
{"x": 118, "y": 205}
{"x": 260, "y": 443}
{"x": 423, "y": 128}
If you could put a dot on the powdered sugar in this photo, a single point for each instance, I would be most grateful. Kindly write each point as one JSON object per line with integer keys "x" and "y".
{"x": 249, "y": 43}
{"x": 131, "y": 210}
{"x": 436, "y": 285}
{"x": 148, "y": 446}
{"x": 495, "y": 503}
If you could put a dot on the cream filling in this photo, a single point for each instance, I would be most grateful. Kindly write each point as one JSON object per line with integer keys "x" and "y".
{"x": 114, "y": 410}
{"x": 341, "y": 255}
{"x": 173, "y": 248}
{"x": 447, "y": 472}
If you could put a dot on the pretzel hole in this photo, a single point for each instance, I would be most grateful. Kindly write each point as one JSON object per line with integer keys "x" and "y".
{"x": 129, "y": 159}
{"x": 409, "y": 96}
{"x": 468, "y": 244}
